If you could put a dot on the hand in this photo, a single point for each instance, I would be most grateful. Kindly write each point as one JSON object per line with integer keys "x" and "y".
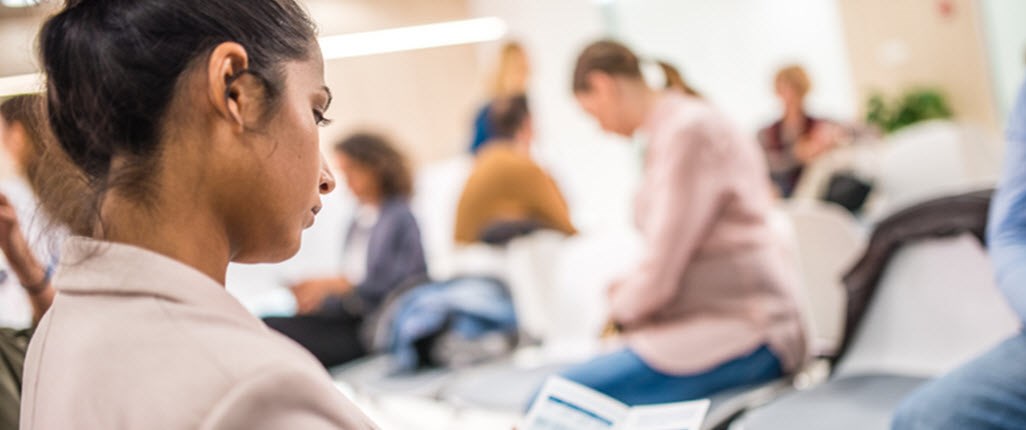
{"x": 611, "y": 330}
{"x": 310, "y": 295}
{"x": 8, "y": 223}
{"x": 22, "y": 262}
{"x": 821, "y": 139}
{"x": 13, "y": 244}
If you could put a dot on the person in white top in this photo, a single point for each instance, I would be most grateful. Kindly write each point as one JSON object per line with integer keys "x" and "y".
{"x": 196, "y": 124}
{"x": 24, "y": 138}
{"x": 382, "y": 256}
{"x": 25, "y": 290}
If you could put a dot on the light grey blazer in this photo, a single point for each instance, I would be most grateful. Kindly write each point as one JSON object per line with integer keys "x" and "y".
{"x": 136, "y": 340}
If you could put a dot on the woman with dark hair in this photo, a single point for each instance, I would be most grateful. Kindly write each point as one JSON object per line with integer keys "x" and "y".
{"x": 510, "y": 78}
{"x": 195, "y": 122}
{"x": 710, "y": 306}
{"x": 383, "y": 251}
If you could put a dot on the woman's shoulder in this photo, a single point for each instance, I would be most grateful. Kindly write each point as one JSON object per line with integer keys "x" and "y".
{"x": 397, "y": 208}
{"x": 244, "y": 348}
{"x": 272, "y": 379}
{"x": 222, "y": 337}
{"x": 689, "y": 115}
{"x": 696, "y": 127}
{"x": 285, "y": 394}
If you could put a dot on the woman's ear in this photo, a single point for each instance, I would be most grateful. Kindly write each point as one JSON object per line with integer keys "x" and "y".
{"x": 234, "y": 93}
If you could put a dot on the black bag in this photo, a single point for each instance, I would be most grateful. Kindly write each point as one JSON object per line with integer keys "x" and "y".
{"x": 848, "y": 190}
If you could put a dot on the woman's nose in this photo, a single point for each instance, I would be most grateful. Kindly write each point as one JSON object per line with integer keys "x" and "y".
{"x": 327, "y": 180}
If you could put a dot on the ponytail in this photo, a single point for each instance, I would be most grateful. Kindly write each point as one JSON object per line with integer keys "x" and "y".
{"x": 673, "y": 80}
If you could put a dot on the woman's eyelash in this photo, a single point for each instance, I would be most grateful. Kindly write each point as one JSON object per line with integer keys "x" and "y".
{"x": 320, "y": 119}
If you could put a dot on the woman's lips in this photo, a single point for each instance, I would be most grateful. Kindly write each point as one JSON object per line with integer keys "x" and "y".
{"x": 313, "y": 215}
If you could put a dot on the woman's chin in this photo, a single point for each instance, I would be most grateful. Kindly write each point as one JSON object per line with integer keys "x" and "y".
{"x": 277, "y": 252}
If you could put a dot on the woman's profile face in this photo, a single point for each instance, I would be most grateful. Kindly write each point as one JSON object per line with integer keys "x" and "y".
{"x": 12, "y": 141}
{"x": 280, "y": 194}
{"x": 787, "y": 93}
{"x": 604, "y": 103}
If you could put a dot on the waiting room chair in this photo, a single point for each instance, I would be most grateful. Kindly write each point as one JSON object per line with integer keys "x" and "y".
{"x": 935, "y": 308}
{"x": 829, "y": 239}
{"x": 933, "y": 159}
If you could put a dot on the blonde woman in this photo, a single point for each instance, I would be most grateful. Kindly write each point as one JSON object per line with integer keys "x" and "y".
{"x": 798, "y": 138}
{"x": 511, "y": 77}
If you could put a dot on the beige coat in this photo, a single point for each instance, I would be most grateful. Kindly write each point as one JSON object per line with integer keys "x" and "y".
{"x": 136, "y": 340}
{"x": 715, "y": 283}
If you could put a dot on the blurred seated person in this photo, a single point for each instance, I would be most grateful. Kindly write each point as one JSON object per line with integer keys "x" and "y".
{"x": 23, "y": 132}
{"x": 508, "y": 194}
{"x": 710, "y": 305}
{"x": 34, "y": 278}
{"x": 797, "y": 139}
{"x": 382, "y": 252}
{"x": 988, "y": 392}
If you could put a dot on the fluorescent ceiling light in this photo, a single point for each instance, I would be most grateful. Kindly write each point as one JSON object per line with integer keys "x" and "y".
{"x": 410, "y": 38}
{"x": 441, "y": 34}
{"x": 21, "y": 84}
{"x": 19, "y": 3}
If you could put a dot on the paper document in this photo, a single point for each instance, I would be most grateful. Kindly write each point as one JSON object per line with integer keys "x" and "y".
{"x": 565, "y": 405}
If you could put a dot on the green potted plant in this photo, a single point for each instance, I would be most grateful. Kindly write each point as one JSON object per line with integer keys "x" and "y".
{"x": 913, "y": 106}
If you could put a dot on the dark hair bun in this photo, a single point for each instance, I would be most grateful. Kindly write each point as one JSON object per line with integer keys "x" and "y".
{"x": 112, "y": 66}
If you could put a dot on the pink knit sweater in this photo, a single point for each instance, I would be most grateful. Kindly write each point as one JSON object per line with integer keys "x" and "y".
{"x": 715, "y": 282}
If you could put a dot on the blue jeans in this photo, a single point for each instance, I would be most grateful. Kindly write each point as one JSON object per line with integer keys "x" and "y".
{"x": 989, "y": 393}
{"x": 624, "y": 376}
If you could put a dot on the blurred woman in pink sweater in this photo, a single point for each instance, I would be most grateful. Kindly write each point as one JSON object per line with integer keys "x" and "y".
{"x": 710, "y": 306}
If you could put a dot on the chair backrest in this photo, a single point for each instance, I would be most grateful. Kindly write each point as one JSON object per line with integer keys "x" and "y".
{"x": 437, "y": 196}
{"x": 559, "y": 285}
{"x": 828, "y": 241}
{"x": 932, "y": 159}
{"x": 590, "y": 263}
{"x": 935, "y": 307}
{"x": 530, "y": 262}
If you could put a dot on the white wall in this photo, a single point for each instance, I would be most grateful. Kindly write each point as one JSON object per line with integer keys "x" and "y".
{"x": 922, "y": 44}
{"x": 18, "y": 37}
{"x": 421, "y": 99}
{"x": 730, "y": 50}
{"x": 1006, "y": 43}
{"x": 594, "y": 169}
